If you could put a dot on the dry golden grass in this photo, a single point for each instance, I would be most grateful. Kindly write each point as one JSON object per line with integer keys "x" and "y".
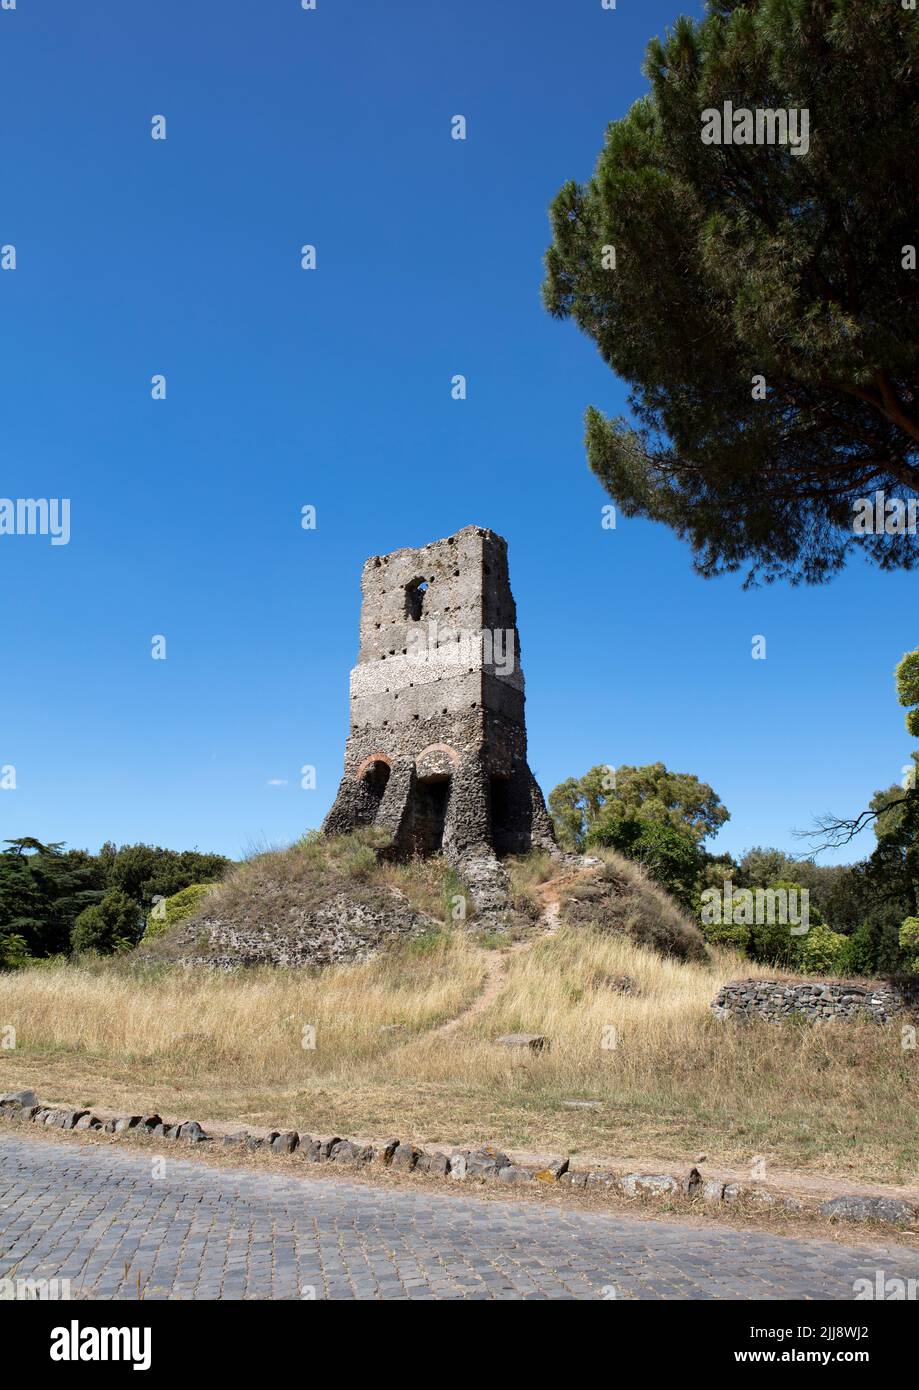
{"x": 250, "y": 1020}
{"x": 839, "y": 1100}
{"x": 526, "y": 873}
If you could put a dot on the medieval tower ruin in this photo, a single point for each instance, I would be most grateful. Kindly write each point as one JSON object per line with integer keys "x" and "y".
{"x": 437, "y": 750}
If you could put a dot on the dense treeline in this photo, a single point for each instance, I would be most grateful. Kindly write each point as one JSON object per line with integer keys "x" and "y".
{"x": 53, "y": 900}
{"x": 863, "y": 917}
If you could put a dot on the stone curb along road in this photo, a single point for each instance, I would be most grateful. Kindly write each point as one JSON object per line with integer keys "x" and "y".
{"x": 487, "y": 1163}
{"x": 113, "y": 1225}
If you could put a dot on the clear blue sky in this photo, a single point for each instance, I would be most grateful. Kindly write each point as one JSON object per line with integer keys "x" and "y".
{"x": 332, "y": 387}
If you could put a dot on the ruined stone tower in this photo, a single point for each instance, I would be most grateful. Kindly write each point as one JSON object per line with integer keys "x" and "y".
{"x": 437, "y": 750}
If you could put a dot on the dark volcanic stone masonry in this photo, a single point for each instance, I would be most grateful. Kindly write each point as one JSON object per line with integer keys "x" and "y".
{"x": 99, "y": 1218}
{"x": 819, "y": 1001}
{"x": 437, "y": 752}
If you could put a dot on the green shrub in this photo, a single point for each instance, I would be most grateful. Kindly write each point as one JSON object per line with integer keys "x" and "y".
{"x": 171, "y": 910}
{"x": 14, "y": 951}
{"x": 111, "y": 925}
{"x": 859, "y": 955}
{"x": 776, "y": 943}
{"x": 820, "y": 951}
{"x": 909, "y": 936}
{"x": 909, "y": 944}
{"x": 736, "y": 935}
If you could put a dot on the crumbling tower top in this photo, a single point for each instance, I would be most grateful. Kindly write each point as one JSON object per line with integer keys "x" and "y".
{"x": 438, "y": 634}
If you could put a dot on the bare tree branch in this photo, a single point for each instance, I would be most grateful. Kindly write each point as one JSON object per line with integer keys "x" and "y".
{"x": 837, "y": 831}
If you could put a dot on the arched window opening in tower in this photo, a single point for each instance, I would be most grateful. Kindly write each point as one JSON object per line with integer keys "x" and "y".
{"x": 414, "y": 598}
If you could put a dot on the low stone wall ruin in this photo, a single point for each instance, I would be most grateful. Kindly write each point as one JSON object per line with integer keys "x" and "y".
{"x": 818, "y": 1001}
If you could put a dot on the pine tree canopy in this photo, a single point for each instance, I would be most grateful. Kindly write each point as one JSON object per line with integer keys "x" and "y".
{"x": 759, "y": 299}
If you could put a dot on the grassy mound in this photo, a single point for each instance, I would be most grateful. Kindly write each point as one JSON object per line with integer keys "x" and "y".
{"x": 619, "y": 897}
{"x": 319, "y": 902}
{"x": 325, "y": 901}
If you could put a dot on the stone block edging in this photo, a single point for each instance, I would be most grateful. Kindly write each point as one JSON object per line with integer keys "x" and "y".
{"x": 486, "y": 1164}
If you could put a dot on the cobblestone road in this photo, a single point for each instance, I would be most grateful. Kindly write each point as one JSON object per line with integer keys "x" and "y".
{"x": 100, "y": 1219}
